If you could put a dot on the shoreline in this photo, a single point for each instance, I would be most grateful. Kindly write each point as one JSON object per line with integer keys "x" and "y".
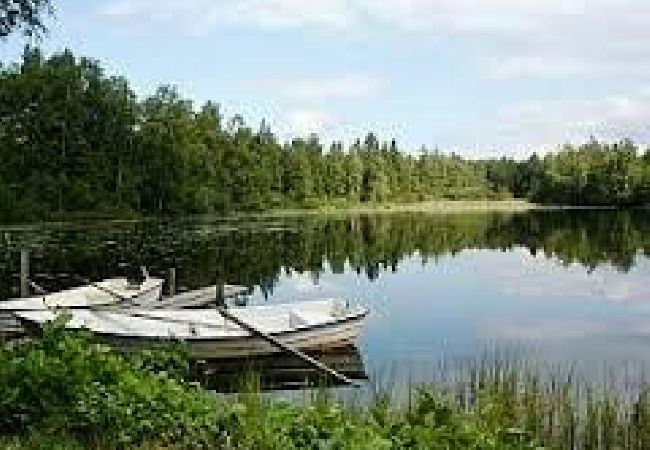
{"x": 433, "y": 207}
{"x": 424, "y": 207}
{"x": 438, "y": 207}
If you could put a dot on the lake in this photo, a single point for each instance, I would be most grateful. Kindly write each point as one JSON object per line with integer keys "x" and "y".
{"x": 559, "y": 285}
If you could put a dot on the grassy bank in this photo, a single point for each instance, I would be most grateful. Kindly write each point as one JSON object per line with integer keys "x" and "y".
{"x": 334, "y": 208}
{"x": 437, "y": 206}
{"x": 65, "y": 391}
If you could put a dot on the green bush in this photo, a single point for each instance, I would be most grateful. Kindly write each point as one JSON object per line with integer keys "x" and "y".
{"x": 65, "y": 383}
{"x": 63, "y": 390}
{"x": 39, "y": 441}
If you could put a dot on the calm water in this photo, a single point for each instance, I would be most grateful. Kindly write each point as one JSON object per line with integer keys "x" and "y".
{"x": 563, "y": 285}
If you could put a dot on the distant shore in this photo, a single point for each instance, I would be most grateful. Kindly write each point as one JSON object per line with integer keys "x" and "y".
{"x": 426, "y": 207}
{"x": 436, "y": 206}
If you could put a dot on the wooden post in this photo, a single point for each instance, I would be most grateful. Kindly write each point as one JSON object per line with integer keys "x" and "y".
{"x": 172, "y": 281}
{"x": 220, "y": 296}
{"x": 24, "y": 273}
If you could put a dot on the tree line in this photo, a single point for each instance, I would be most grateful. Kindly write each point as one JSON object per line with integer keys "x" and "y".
{"x": 593, "y": 173}
{"x": 75, "y": 139}
{"x": 26, "y": 16}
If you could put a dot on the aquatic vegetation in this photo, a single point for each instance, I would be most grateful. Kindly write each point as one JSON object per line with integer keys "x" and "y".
{"x": 63, "y": 390}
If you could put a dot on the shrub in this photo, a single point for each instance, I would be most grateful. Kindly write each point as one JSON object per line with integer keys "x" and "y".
{"x": 65, "y": 383}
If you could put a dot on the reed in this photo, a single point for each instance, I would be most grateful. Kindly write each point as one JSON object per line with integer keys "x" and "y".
{"x": 64, "y": 391}
{"x": 556, "y": 405}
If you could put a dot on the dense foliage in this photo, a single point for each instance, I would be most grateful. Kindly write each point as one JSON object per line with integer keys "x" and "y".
{"x": 73, "y": 139}
{"x": 594, "y": 174}
{"x": 25, "y": 15}
{"x": 64, "y": 384}
{"x": 65, "y": 391}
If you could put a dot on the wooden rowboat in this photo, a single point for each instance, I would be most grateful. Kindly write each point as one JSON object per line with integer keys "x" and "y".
{"x": 308, "y": 325}
{"x": 111, "y": 292}
{"x": 107, "y": 292}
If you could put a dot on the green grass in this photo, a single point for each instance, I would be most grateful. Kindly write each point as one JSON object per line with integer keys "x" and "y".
{"x": 64, "y": 391}
{"x": 432, "y": 206}
{"x": 333, "y": 207}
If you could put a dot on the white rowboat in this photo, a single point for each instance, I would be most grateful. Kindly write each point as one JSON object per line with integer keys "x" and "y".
{"x": 318, "y": 324}
{"x": 106, "y": 292}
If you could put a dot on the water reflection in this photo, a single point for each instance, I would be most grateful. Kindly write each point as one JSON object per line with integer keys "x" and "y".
{"x": 256, "y": 251}
{"x": 278, "y": 371}
{"x": 573, "y": 282}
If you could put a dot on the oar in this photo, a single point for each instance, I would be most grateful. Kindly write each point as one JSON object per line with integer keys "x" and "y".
{"x": 253, "y": 331}
{"x": 286, "y": 347}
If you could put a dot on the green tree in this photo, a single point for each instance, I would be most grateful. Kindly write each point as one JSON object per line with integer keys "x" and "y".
{"x": 24, "y": 15}
{"x": 75, "y": 140}
{"x": 298, "y": 178}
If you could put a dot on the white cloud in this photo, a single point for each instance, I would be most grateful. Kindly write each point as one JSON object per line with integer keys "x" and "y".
{"x": 527, "y": 276}
{"x": 302, "y": 122}
{"x": 548, "y": 65}
{"x": 537, "y": 66}
{"x": 440, "y": 16}
{"x": 346, "y": 86}
{"x": 201, "y": 16}
{"x": 290, "y": 13}
{"x": 542, "y": 330}
{"x": 549, "y": 122}
{"x": 510, "y": 38}
{"x": 601, "y": 41}
{"x": 545, "y": 38}
{"x": 304, "y": 102}
{"x": 193, "y": 17}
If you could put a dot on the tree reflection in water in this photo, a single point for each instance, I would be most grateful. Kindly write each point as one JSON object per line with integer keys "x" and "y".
{"x": 255, "y": 251}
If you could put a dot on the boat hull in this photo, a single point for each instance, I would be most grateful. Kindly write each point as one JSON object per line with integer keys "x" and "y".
{"x": 209, "y": 334}
{"x": 75, "y": 298}
{"x": 322, "y": 338}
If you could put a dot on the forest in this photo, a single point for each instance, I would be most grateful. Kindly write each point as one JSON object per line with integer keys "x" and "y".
{"x": 74, "y": 139}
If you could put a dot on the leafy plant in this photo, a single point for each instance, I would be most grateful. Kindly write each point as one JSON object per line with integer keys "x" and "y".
{"x": 65, "y": 383}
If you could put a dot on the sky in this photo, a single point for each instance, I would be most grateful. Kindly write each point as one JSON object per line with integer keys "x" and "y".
{"x": 479, "y": 77}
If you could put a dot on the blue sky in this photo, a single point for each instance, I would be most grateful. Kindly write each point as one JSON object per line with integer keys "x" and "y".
{"x": 480, "y": 77}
